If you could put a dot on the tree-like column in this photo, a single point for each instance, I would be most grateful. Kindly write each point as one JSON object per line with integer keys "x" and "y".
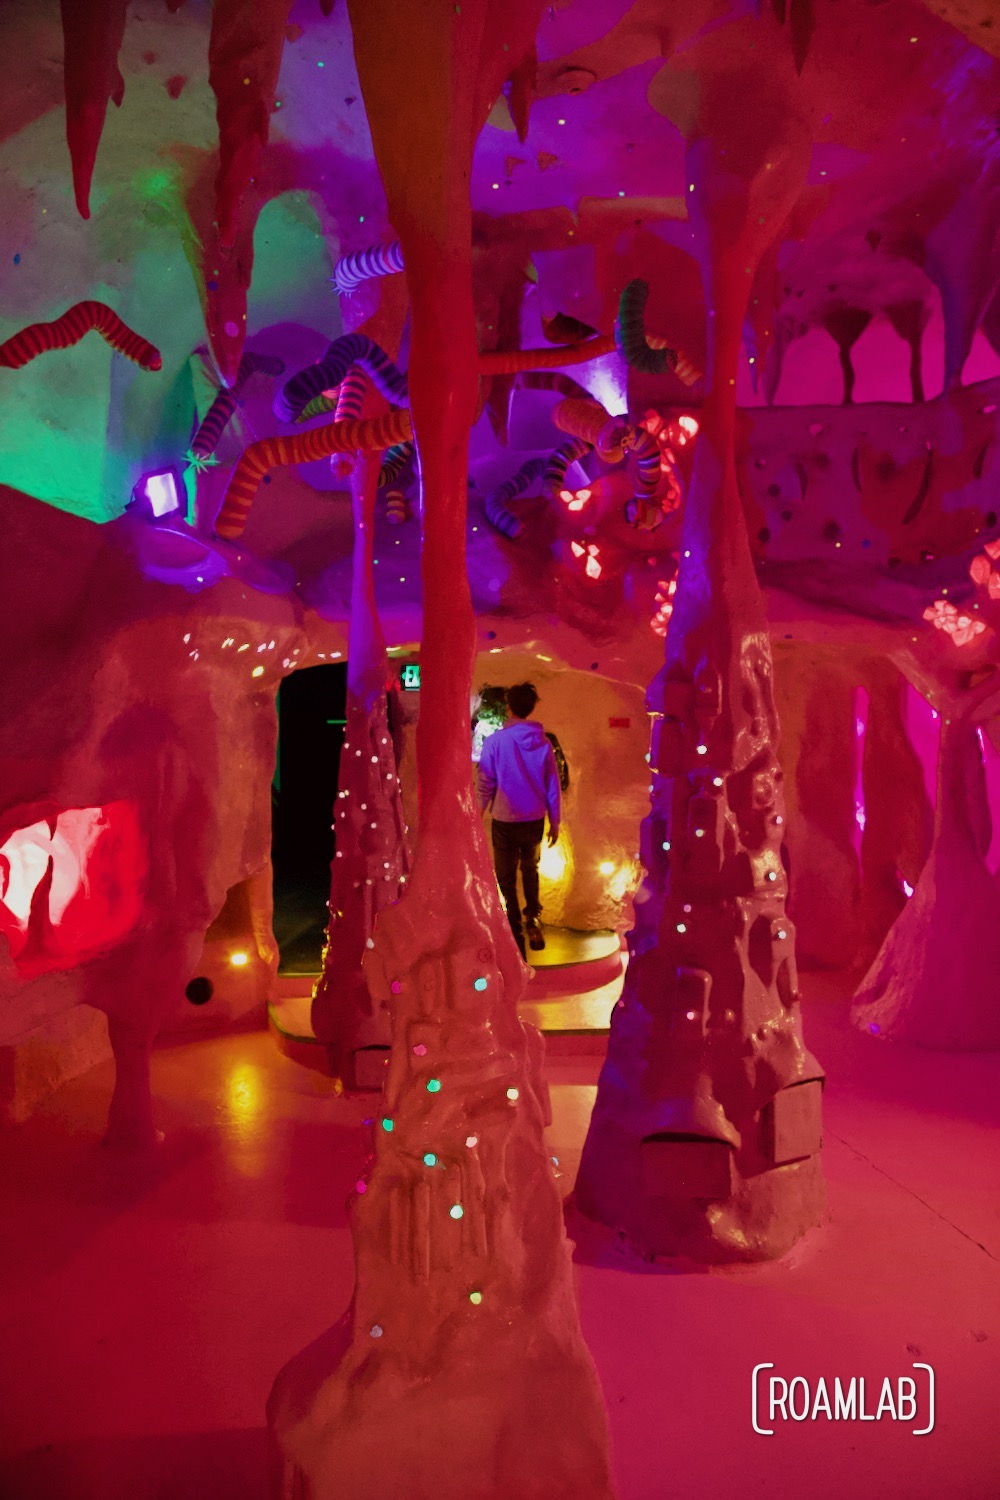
{"x": 706, "y": 1131}
{"x": 459, "y": 1372}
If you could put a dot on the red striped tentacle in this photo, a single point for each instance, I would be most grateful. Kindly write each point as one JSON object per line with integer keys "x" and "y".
{"x": 351, "y": 395}
{"x": 300, "y": 448}
{"x": 70, "y": 328}
{"x": 510, "y": 361}
{"x": 347, "y": 408}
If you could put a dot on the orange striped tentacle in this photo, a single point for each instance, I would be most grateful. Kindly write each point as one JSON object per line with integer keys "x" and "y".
{"x": 374, "y": 433}
{"x": 509, "y": 361}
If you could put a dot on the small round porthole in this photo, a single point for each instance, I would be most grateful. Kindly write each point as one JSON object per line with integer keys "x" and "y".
{"x": 200, "y": 990}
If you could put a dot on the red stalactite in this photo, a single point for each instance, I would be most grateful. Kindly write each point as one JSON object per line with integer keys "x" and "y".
{"x": 92, "y": 36}
{"x": 244, "y": 55}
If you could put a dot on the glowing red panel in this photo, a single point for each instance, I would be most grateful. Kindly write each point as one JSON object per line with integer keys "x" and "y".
{"x": 71, "y": 885}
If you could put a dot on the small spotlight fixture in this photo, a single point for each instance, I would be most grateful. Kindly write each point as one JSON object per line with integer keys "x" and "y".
{"x": 159, "y": 493}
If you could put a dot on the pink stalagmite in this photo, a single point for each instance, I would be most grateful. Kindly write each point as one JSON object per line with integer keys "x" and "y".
{"x": 934, "y": 980}
{"x": 371, "y": 859}
{"x": 705, "y": 1137}
{"x": 461, "y": 1355}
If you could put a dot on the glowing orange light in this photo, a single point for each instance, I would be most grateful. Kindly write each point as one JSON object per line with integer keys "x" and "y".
{"x": 239, "y": 960}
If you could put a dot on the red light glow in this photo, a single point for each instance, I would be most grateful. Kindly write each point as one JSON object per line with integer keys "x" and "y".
{"x": 70, "y": 885}
{"x": 665, "y": 606}
{"x": 960, "y": 625}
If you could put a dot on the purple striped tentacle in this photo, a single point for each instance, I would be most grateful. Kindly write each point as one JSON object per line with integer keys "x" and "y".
{"x": 219, "y": 414}
{"x": 378, "y": 260}
{"x": 352, "y": 349}
{"x": 558, "y": 462}
{"x": 497, "y": 501}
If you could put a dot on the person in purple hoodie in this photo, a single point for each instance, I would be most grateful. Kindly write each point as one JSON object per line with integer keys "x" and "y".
{"x": 519, "y": 780}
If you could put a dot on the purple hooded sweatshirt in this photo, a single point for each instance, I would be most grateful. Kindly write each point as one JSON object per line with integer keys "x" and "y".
{"x": 518, "y": 774}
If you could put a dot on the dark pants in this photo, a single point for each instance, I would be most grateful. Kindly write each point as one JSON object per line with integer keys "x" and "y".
{"x": 517, "y": 844}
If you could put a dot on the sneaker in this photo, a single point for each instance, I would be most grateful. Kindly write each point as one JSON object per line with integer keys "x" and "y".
{"x": 536, "y": 937}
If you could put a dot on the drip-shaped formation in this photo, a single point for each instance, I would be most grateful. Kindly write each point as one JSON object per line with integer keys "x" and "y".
{"x": 463, "y": 1320}
{"x": 705, "y": 1135}
{"x": 934, "y": 980}
{"x": 244, "y": 56}
{"x": 92, "y": 37}
{"x": 371, "y": 859}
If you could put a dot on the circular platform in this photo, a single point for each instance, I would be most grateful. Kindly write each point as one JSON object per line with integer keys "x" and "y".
{"x": 575, "y": 984}
{"x": 564, "y": 946}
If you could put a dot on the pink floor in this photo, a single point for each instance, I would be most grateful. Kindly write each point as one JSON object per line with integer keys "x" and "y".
{"x": 142, "y": 1316}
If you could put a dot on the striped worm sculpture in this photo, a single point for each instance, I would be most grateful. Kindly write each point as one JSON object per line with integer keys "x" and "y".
{"x": 349, "y": 404}
{"x": 351, "y": 395}
{"x": 352, "y": 349}
{"x": 75, "y": 322}
{"x": 559, "y": 461}
{"x": 496, "y": 503}
{"x": 397, "y": 509}
{"x": 593, "y": 426}
{"x": 647, "y": 355}
{"x": 302, "y": 448}
{"x": 394, "y": 461}
{"x": 303, "y": 395}
{"x": 378, "y": 260}
{"x": 219, "y": 414}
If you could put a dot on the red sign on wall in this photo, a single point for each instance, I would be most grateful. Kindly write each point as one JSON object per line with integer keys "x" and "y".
{"x": 619, "y": 723}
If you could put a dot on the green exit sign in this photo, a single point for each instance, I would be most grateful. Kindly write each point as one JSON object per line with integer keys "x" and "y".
{"x": 410, "y": 677}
